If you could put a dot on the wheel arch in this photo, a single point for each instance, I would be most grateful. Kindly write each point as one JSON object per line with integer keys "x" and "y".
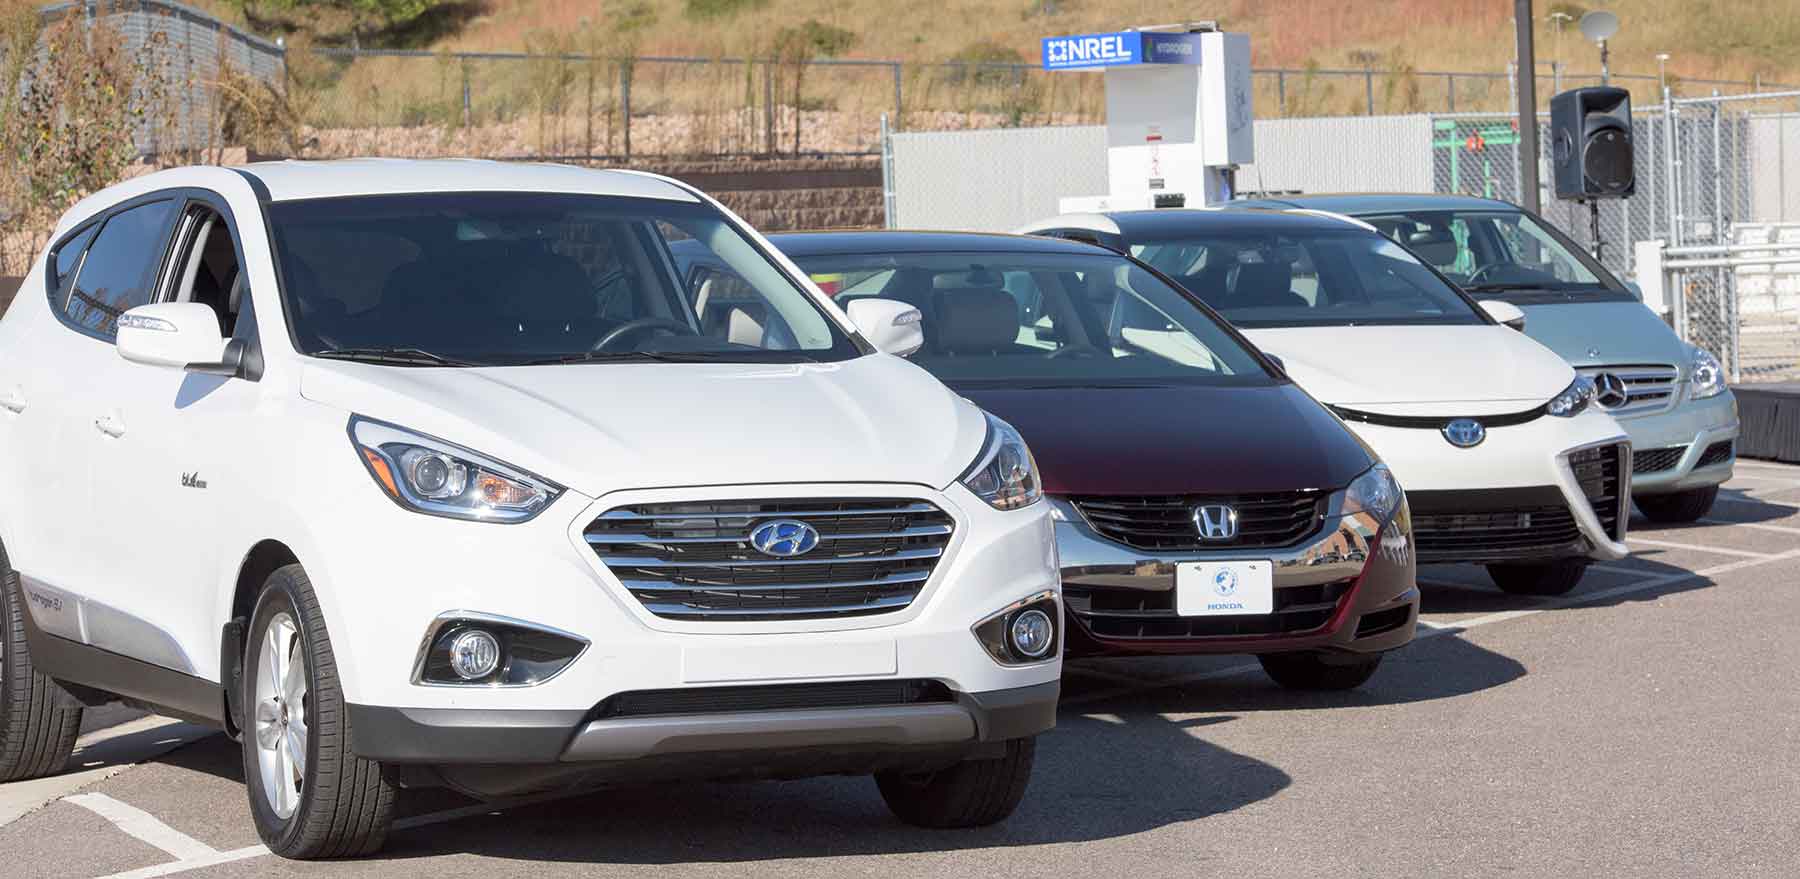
{"x": 263, "y": 559}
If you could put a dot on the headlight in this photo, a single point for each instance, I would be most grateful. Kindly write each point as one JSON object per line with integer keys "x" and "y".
{"x": 1706, "y": 378}
{"x": 1573, "y": 399}
{"x": 1004, "y": 474}
{"x": 1374, "y": 492}
{"x": 428, "y": 475}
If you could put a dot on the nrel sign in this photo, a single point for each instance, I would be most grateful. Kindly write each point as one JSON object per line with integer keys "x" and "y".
{"x": 1086, "y": 51}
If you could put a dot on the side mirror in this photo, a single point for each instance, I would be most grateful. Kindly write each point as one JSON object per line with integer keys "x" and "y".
{"x": 889, "y": 325}
{"x": 178, "y": 335}
{"x": 1636, "y": 291}
{"x": 1504, "y": 312}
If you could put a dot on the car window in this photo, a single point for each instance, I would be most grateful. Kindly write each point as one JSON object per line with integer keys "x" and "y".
{"x": 207, "y": 266}
{"x": 68, "y": 258}
{"x": 504, "y": 279}
{"x": 119, "y": 271}
{"x": 1317, "y": 277}
{"x": 1047, "y": 318}
{"x": 1499, "y": 252}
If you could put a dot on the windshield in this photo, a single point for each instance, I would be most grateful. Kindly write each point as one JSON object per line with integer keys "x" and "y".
{"x": 1045, "y": 319}
{"x": 1499, "y": 252}
{"x": 1309, "y": 278}
{"x": 506, "y": 279}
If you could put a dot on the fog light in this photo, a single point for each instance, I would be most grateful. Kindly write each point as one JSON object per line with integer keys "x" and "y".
{"x": 474, "y": 654}
{"x": 1032, "y": 633}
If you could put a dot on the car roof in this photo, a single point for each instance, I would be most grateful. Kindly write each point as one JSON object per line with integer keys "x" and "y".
{"x": 291, "y": 180}
{"x": 1152, "y": 224}
{"x": 1352, "y": 203}
{"x": 802, "y": 244}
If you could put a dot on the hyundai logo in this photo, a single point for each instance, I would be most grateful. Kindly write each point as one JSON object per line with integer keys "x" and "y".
{"x": 1225, "y": 582}
{"x": 784, "y": 538}
{"x": 1216, "y": 521}
{"x": 1609, "y": 391}
{"x": 1465, "y": 433}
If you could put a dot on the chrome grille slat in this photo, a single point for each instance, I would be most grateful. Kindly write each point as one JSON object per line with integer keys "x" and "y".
{"x": 1166, "y": 522}
{"x": 1649, "y": 388}
{"x": 920, "y": 531}
{"x": 694, "y": 561}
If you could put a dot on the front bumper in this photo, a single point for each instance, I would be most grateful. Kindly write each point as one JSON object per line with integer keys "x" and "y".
{"x": 1349, "y": 587}
{"x": 1690, "y": 446}
{"x": 494, "y": 753}
{"x": 1530, "y": 458}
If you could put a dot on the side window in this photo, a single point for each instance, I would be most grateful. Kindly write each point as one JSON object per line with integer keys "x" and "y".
{"x": 67, "y": 260}
{"x": 119, "y": 272}
{"x": 208, "y": 268}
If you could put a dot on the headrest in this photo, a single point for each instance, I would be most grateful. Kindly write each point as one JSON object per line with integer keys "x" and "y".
{"x": 1266, "y": 281}
{"x": 975, "y": 319}
{"x": 1438, "y": 253}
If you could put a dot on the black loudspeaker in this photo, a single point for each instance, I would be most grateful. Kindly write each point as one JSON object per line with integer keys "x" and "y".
{"x": 1590, "y": 143}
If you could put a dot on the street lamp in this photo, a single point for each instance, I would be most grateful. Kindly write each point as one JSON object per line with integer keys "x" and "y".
{"x": 1560, "y": 20}
{"x": 1599, "y": 26}
{"x": 1662, "y": 70}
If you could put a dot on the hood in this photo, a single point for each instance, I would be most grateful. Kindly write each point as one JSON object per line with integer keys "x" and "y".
{"x": 1419, "y": 370}
{"x": 1619, "y": 333}
{"x": 1179, "y": 440}
{"x": 598, "y": 428}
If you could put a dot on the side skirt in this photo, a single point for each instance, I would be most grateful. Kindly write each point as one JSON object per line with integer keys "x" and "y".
{"x": 168, "y": 692}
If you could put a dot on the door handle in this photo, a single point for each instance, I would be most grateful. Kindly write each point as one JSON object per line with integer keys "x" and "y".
{"x": 110, "y": 425}
{"x": 13, "y": 401}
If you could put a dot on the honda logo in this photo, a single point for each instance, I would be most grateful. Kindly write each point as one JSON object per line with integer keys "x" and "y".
{"x": 1216, "y": 521}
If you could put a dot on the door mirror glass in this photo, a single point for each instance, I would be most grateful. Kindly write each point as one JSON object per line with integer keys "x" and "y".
{"x": 178, "y": 335}
{"x": 890, "y": 325}
{"x": 1504, "y": 312}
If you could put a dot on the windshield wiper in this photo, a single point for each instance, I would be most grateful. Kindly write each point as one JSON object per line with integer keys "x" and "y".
{"x": 397, "y": 356}
{"x": 672, "y": 357}
{"x": 1501, "y": 288}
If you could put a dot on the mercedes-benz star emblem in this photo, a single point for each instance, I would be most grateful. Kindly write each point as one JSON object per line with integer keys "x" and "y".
{"x": 1465, "y": 433}
{"x": 784, "y": 538}
{"x": 1609, "y": 391}
{"x": 1216, "y": 521}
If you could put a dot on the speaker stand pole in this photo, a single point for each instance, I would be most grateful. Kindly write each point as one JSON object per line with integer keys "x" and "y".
{"x": 1594, "y": 226}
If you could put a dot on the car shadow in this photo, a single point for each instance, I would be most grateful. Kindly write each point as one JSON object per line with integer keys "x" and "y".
{"x": 1435, "y": 666}
{"x": 1465, "y": 589}
{"x": 1734, "y": 506}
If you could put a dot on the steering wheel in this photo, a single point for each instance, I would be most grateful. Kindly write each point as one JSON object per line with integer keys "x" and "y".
{"x": 1075, "y": 351}
{"x": 643, "y": 325}
{"x": 1482, "y": 273}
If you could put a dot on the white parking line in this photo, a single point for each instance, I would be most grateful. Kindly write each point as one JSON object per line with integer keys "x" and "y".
{"x": 1432, "y": 630}
{"x": 213, "y": 857}
{"x": 1777, "y": 529}
{"x": 1720, "y": 550}
{"x": 143, "y": 825}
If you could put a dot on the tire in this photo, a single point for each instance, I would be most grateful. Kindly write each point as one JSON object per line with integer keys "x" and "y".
{"x": 341, "y": 806}
{"x": 1680, "y": 507}
{"x": 974, "y": 793}
{"x": 1310, "y": 671}
{"x": 1544, "y": 578}
{"x": 38, "y": 720}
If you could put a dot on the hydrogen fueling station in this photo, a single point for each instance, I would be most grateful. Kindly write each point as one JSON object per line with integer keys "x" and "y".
{"x": 1179, "y": 113}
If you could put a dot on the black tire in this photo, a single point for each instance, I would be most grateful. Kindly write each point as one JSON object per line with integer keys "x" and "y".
{"x": 346, "y": 803}
{"x": 1310, "y": 671}
{"x": 1543, "y": 578}
{"x": 1679, "y": 508}
{"x": 974, "y": 793}
{"x": 38, "y": 720}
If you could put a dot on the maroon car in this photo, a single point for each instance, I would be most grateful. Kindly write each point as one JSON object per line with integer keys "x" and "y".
{"x": 1204, "y": 503}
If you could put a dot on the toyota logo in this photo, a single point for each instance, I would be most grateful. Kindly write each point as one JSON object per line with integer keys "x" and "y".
{"x": 1609, "y": 391}
{"x": 1216, "y": 521}
{"x": 1465, "y": 433}
{"x": 784, "y": 538}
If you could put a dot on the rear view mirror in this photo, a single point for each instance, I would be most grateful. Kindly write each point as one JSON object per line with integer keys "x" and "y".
{"x": 178, "y": 335}
{"x": 1504, "y": 312}
{"x": 891, "y": 326}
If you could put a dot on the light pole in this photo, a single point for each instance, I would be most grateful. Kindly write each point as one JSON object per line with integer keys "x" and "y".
{"x": 1600, "y": 26}
{"x": 1662, "y": 70}
{"x": 1560, "y": 20}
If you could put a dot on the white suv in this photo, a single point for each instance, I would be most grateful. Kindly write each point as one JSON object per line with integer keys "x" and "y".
{"x": 434, "y": 473}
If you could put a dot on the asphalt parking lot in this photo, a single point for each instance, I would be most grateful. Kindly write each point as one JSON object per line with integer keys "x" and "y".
{"x": 1643, "y": 726}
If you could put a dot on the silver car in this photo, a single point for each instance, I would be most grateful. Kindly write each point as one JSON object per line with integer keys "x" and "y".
{"x": 1669, "y": 395}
